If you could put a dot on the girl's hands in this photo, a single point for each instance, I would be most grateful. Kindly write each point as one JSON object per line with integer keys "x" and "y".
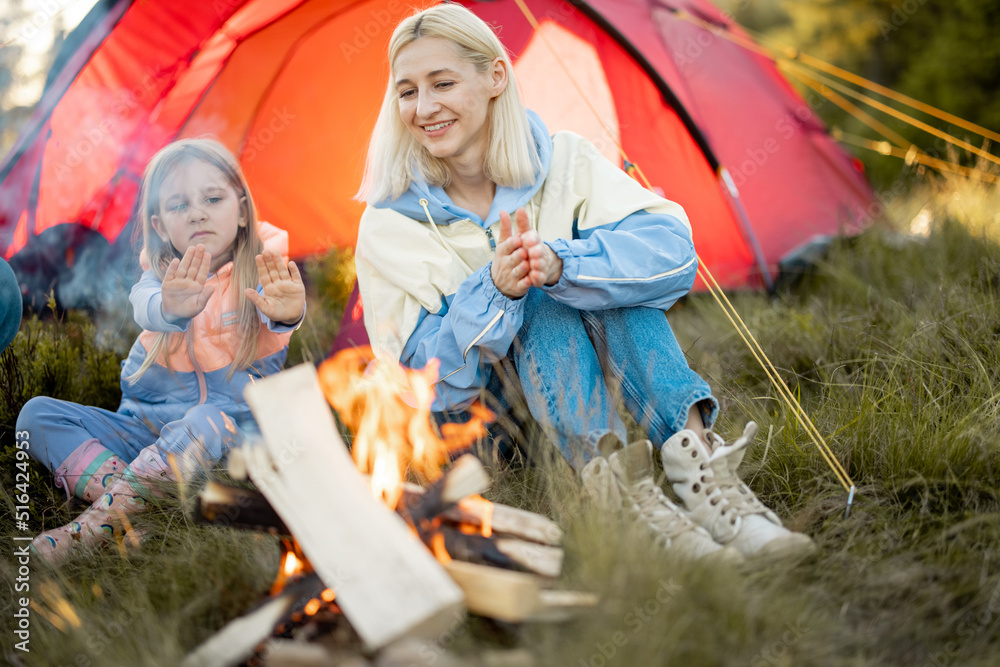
{"x": 283, "y": 298}
{"x": 522, "y": 260}
{"x": 183, "y": 290}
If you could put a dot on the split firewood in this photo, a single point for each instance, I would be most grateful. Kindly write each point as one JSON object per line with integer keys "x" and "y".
{"x": 557, "y": 606}
{"x": 388, "y": 584}
{"x": 503, "y": 520}
{"x": 507, "y": 521}
{"x": 236, "y": 464}
{"x": 496, "y": 593}
{"x": 465, "y": 477}
{"x": 236, "y": 642}
{"x": 511, "y": 553}
{"x": 290, "y": 653}
{"x": 225, "y": 505}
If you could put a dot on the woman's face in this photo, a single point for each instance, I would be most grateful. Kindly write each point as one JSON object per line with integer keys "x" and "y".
{"x": 444, "y": 102}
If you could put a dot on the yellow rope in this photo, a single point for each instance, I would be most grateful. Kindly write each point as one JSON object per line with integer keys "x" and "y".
{"x": 891, "y": 94}
{"x": 902, "y": 148}
{"x": 885, "y": 148}
{"x": 853, "y": 109}
{"x": 718, "y": 294}
{"x": 787, "y": 54}
{"x": 870, "y": 101}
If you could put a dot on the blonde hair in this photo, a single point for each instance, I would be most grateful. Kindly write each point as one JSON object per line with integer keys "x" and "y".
{"x": 396, "y": 158}
{"x": 178, "y": 155}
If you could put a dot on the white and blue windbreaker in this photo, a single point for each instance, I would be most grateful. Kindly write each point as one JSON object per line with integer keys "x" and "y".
{"x": 423, "y": 263}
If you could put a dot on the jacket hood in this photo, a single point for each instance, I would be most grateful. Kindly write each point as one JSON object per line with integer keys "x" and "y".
{"x": 444, "y": 212}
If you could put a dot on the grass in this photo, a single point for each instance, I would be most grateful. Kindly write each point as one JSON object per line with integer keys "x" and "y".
{"x": 891, "y": 346}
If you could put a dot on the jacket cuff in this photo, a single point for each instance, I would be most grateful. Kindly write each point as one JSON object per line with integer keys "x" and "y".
{"x": 283, "y": 327}
{"x": 493, "y": 294}
{"x": 571, "y": 267}
{"x": 167, "y": 325}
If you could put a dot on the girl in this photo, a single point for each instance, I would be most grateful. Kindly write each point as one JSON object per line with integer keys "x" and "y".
{"x": 578, "y": 279}
{"x": 217, "y": 303}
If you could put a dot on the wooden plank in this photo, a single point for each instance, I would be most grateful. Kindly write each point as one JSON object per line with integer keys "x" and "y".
{"x": 236, "y": 641}
{"x": 556, "y": 606}
{"x": 387, "y": 582}
{"x": 507, "y": 520}
{"x": 225, "y": 505}
{"x": 501, "y": 594}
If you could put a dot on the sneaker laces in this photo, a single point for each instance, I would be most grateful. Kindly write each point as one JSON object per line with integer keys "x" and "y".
{"x": 654, "y": 506}
{"x": 737, "y": 494}
{"x": 740, "y": 498}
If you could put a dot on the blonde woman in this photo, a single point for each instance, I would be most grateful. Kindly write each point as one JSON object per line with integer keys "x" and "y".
{"x": 217, "y": 302}
{"x": 571, "y": 291}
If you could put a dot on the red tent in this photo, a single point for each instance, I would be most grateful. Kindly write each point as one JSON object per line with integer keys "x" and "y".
{"x": 293, "y": 87}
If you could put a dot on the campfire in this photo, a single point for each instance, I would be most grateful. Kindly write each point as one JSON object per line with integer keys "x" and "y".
{"x": 386, "y": 539}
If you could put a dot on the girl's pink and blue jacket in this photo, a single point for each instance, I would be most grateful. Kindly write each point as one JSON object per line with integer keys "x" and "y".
{"x": 200, "y": 349}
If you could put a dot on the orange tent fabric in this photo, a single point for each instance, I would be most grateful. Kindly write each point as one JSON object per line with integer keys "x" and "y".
{"x": 293, "y": 88}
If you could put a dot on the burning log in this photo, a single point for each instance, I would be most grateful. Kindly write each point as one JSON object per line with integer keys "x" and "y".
{"x": 387, "y": 583}
{"x": 226, "y": 505}
{"x": 505, "y": 520}
{"x": 508, "y": 553}
{"x": 466, "y": 477}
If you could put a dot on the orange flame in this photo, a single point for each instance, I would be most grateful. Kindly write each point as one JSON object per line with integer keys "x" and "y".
{"x": 388, "y": 408}
{"x": 293, "y": 563}
{"x": 437, "y": 546}
{"x": 481, "y": 509}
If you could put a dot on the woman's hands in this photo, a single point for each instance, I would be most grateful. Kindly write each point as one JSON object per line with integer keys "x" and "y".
{"x": 183, "y": 290}
{"x": 522, "y": 260}
{"x": 283, "y": 298}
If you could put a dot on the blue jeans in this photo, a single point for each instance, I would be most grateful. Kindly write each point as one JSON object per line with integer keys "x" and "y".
{"x": 572, "y": 365}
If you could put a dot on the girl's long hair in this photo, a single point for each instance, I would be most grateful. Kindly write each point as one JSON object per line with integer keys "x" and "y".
{"x": 178, "y": 155}
{"x": 396, "y": 158}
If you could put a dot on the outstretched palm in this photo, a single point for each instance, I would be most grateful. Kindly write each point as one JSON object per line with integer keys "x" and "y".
{"x": 283, "y": 296}
{"x": 183, "y": 290}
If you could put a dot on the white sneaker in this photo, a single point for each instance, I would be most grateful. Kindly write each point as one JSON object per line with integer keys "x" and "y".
{"x": 706, "y": 480}
{"x": 670, "y": 526}
{"x": 600, "y": 486}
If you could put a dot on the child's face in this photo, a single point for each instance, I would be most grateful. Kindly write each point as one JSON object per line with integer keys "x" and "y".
{"x": 198, "y": 206}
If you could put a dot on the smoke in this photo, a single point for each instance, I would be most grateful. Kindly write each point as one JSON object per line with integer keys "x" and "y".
{"x": 81, "y": 269}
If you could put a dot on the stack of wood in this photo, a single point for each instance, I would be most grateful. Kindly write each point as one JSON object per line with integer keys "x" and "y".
{"x": 388, "y": 583}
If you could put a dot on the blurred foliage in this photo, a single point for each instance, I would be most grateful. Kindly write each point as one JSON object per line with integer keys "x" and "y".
{"x": 18, "y": 22}
{"x": 942, "y": 53}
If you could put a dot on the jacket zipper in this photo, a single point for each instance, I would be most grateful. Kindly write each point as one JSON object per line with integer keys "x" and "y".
{"x": 202, "y": 388}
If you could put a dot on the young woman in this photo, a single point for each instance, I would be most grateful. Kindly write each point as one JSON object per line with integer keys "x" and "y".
{"x": 571, "y": 290}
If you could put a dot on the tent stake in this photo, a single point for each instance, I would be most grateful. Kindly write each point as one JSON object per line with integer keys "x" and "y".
{"x": 850, "y": 501}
